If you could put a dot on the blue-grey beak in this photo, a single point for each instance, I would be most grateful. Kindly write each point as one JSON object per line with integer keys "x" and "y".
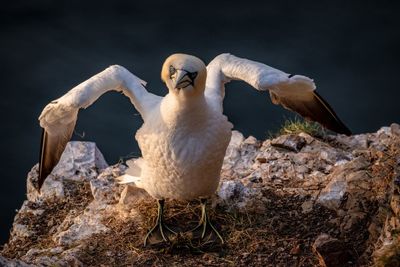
{"x": 183, "y": 79}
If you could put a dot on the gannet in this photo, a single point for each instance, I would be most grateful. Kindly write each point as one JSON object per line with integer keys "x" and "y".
{"x": 185, "y": 134}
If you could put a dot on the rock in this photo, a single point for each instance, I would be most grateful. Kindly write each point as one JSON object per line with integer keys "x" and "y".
{"x": 360, "y": 141}
{"x": 232, "y": 152}
{"x": 21, "y": 230}
{"x": 395, "y": 129}
{"x": 332, "y": 194}
{"x": 343, "y": 179}
{"x": 13, "y": 263}
{"x": 384, "y": 130}
{"x": 104, "y": 188}
{"x": 332, "y": 252}
{"x": 83, "y": 226}
{"x": 132, "y": 194}
{"x": 290, "y": 142}
{"x": 235, "y": 196}
{"x": 52, "y": 187}
{"x": 275, "y": 197}
{"x": 79, "y": 161}
{"x": 51, "y": 257}
{"x": 307, "y": 206}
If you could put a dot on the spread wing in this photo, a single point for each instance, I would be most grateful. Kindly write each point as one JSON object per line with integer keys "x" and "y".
{"x": 294, "y": 92}
{"x": 58, "y": 118}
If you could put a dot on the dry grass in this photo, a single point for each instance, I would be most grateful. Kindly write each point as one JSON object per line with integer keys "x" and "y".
{"x": 78, "y": 196}
{"x": 389, "y": 254}
{"x": 281, "y": 236}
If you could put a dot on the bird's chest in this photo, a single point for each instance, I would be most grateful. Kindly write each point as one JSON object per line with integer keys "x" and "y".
{"x": 187, "y": 146}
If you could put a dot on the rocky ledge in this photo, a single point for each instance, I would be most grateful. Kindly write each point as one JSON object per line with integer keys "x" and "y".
{"x": 295, "y": 200}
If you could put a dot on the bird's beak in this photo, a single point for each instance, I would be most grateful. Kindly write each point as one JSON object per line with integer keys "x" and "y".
{"x": 182, "y": 79}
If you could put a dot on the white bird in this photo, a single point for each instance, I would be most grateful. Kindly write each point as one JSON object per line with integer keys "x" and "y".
{"x": 184, "y": 136}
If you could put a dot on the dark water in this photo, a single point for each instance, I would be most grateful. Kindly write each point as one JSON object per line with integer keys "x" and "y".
{"x": 350, "y": 48}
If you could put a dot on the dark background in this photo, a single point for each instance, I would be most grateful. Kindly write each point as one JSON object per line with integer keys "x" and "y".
{"x": 350, "y": 49}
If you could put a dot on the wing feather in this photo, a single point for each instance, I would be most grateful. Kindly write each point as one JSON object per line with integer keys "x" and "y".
{"x": 59, "y": 117}
{"x": 52, "y": 147}
{"x": 312, "y": 107}
{"x": 294, "y": 92}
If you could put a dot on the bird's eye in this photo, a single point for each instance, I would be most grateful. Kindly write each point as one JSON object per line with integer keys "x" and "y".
{"x": 192, "y": 75}
{"x": 172, "y": 70}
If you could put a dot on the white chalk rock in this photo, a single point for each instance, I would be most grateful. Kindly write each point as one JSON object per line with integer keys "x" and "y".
{"x": 232, "y": 154}
{"x": 57, "y": 256}
{"x": 79, "y": 161}
{"x": 104, "y": 188}
{"x": 235, "y": 196}
{"x": 83, "y": 227}
{"x": 346, "y": 177}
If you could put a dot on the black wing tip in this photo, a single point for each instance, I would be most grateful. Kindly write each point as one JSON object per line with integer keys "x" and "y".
{"x": 344, "y": 130}
{"x": 42, "y": 173}
{"x": 42, "y": 177}
{"x": 339, "y": 126}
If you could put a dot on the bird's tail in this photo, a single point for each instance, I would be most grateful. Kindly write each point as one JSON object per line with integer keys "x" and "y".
{"x": 133, "y": 173}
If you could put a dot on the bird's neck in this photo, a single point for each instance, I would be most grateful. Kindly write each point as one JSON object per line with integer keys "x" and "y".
{"x": 189, "y": 110}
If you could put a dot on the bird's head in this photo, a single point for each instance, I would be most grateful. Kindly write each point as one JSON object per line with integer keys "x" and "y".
{"x": 184, "y": 75}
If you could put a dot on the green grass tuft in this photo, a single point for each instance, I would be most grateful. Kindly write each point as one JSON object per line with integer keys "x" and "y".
{"x": 300, "y": 125}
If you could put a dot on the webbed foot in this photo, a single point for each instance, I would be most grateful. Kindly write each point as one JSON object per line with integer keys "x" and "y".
{"x": 205, "y": 224}
{"x": 160, "y": 228}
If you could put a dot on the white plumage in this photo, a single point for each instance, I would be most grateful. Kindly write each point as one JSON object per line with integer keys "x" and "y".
{"x": 183, "y": 147}
{"x": 184, "y": 136}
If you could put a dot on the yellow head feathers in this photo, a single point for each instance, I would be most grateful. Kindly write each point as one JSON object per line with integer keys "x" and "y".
{"x": 184, "y": 74}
